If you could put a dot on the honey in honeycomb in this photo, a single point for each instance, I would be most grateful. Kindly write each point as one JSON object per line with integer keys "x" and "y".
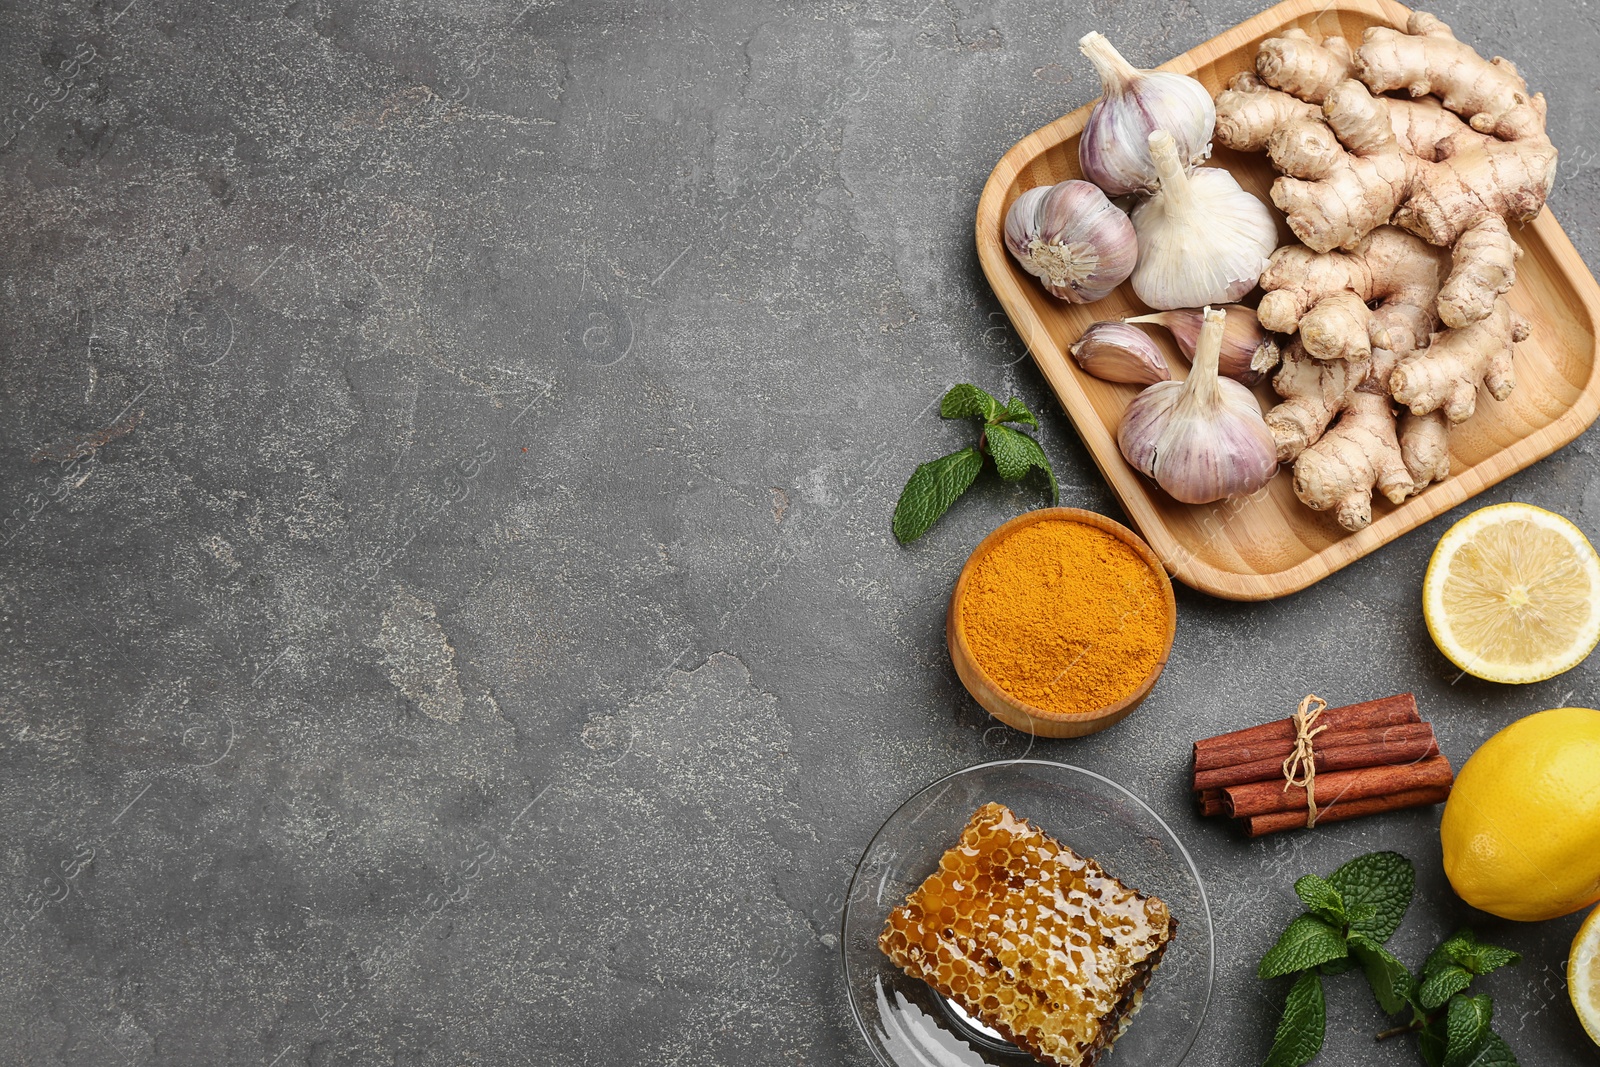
{"x": 1031, "y": 939}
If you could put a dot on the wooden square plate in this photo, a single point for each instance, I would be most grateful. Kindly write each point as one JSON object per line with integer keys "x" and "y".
{"x": 1270, "y": 544}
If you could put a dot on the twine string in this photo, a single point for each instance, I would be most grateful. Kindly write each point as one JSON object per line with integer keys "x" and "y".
{"x": 1300, "y": 768}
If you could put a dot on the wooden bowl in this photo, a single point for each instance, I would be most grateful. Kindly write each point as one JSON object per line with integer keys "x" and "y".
{"x": 1007, "y": 708}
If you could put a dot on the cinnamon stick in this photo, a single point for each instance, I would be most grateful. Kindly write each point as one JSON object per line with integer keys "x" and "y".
{"x": 1210, "y": 802}
{"x": 1261, "y": 798}
{"x": 1242, "y": 746}
{"x": 1256, "y": 751}
{"x": 1259, "y": 825}
{"x": 1332, "y": 754}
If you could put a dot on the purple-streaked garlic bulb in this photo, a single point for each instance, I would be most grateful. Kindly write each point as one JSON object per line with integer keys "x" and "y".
{"x": 1073, "y": 239}
{"x": 1202, "y": 439}
{"x": 1113, "y": 151}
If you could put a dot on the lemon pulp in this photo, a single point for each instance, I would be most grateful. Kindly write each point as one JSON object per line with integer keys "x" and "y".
{"x": 1512, "y": 594}
{"x": 1583, "y": 975}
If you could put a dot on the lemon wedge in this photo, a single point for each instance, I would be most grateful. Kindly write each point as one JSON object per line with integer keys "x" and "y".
{"x": 1583, "y": 975}
{"x": 1512, "y": 594}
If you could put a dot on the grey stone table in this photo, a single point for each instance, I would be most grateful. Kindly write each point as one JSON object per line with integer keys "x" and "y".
{"x": 446, "y": 461}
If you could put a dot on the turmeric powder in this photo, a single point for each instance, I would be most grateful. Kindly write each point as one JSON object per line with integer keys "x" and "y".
{"x": 1065, "y": 617}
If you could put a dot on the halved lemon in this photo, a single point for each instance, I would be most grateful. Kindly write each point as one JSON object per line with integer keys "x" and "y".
{"x": 1583, "y": 975}
{"x": 1512, "y": 594}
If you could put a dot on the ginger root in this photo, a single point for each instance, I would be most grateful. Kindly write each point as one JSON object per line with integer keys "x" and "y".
{"x": 1445, "y": 376}
{"x": 1325, "y": 296}
{"x": 1366, "y": 160}
{"x": 1302, "y": 67}
{"x": 1398, "y": 293}
{"x": 1425, "y": 447}
{"x": 1359, "y": 453}
{"x": 1427, "y": 58}
{"x": 1248, "y": 112}
{"x": 1337, "y": 425}
{"x": 1336, "y": 193}
{"x": 1337, "y": 421}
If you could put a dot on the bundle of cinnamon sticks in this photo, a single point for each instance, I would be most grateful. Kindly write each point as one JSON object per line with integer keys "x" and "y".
{"x": 1368, "y": 758}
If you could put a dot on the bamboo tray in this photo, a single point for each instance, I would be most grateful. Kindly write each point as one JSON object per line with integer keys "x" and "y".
{"x": 1270, "y": 544}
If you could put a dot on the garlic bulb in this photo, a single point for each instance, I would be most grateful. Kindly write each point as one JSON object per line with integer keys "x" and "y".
{"x": 1248, "y": 351}
{"x": 1202, "y": 439}
{"x": 1120, "y": 353}
{"x": 1073, "y": 239}
{"x": 1113, "y": 150}
{"x": 1202, "y": 239}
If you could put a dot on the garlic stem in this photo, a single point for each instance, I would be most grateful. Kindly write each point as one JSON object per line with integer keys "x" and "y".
{"x": 1174, "y": 182}
{"x": 1116, "y": 73}
{"x": 1201, "y": 388}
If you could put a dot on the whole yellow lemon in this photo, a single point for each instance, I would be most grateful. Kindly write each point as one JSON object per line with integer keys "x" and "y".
{"x": 1521, "y": 830}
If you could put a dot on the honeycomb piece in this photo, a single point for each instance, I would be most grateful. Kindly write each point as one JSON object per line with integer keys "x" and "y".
{"x": 1031, "y": 939}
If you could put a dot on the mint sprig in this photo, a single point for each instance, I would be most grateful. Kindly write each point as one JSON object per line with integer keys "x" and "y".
{"x": 1349, "y": 915}
{"x": 1384, "y": 882}
{"x": 1300, "y": 1031}
{"x": 937, "y": 484}
{"x": 1308, "y": 942}
{"x": 933, "y": 487}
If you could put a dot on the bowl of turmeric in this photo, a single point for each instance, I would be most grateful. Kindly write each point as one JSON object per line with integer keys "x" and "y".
{"x": 1061, "y": 622}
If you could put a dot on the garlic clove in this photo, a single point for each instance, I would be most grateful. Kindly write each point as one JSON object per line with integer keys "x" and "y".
{"x": 1073, "y": 239}
{"x": 1202, "y": 439}
{"x": 1202, "y": 238}
{"x": 1249, "y": 352}
{"x": 1117, "y": 352}
{"x": 1113, "y": 150}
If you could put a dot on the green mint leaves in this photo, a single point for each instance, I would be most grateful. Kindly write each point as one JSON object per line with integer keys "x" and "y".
{"x": 1464, "y": 950}
{"x": 1382, "y": 880}
{"x": 937, "y": 484}
{"x": 968, "y": 401}
{"x": 1305, "y": 1017}
{"x": 1308, "y": 942}
{"x": 933, "y": 487}
{"x": 1392, "y": 985}
{"x": 1349, "y": 915}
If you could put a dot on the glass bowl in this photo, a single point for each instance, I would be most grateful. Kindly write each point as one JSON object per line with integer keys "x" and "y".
{"x": 907, "y": 1023}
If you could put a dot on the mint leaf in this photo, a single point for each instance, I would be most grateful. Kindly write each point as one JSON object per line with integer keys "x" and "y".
{"x": 1466, "y": 1025}
{"x": 1492, "y": 1051}
{"x": 1392, "y": 984}
{"x": 933, "y": 487}
{"x": 1442, "y": 984}
{"x": 1384, "y": 880}
{"x": 1485, "y": 958}
{"x": 1443, "y": 956}
{"x": 1307, "y": 942}
{"x": 1431, "y": 1042}
{"x": 1300, "y": 1031}
{"x": 1321, "y": 898}
{"x": 1010, "y": 451}
{"x": 1015, "y": 453}
{"x": 1037, "y": 457}
{"x": 1016, "y": 411}
{"x": 964, "y": 401}
{"x": 1477, "y": 956}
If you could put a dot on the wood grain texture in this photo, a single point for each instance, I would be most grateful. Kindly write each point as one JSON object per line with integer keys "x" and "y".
{"x": 1270, "y": 544}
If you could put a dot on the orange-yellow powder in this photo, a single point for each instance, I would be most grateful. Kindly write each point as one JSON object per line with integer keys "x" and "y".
{"x": 1065, "y": 617}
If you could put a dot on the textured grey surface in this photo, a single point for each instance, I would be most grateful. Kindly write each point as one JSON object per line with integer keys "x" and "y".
{"x": 471, "y": 633}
